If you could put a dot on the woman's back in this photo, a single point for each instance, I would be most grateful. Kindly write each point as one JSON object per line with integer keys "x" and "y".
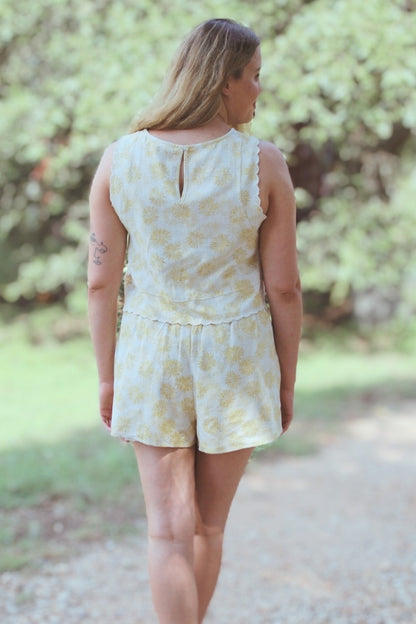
{"x": 193, "y": 213}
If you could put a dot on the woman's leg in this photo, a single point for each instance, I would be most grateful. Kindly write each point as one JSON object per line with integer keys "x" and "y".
{"x": 168, "y": 481}
{"x": 216, "y": 478}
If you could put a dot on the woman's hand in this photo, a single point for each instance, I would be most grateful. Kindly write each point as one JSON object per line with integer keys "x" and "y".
{"x": 286, "y": 408}
{"x": 106, "y": 394}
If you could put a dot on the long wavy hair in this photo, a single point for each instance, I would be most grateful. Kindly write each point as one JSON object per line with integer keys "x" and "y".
{"x": 191, "y": 94}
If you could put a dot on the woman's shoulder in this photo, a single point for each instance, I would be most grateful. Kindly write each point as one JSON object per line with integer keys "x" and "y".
{"x": 121, "y": 147}
{"x": 268, "y": 152}
{"x": 272, "y": 154}
{"x": 126, "y": 140}
{"x": 272, "y": 160}
{"x": 273, "y": 168}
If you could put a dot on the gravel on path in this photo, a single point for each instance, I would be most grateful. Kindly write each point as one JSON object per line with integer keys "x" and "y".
{"x": 323, "y": 539}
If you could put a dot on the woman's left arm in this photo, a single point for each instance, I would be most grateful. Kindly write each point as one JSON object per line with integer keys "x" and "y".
{"x": 107, "y": 251}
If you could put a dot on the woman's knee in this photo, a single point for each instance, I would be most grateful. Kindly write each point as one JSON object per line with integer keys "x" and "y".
{"x": 175, "y": 522}
{"x": 208, "y": 530}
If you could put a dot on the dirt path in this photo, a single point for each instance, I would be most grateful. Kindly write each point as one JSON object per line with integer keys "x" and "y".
{"x": 324, "y": 539}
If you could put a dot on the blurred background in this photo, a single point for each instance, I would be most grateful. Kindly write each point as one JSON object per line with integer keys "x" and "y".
{"x": 339, "y": 100}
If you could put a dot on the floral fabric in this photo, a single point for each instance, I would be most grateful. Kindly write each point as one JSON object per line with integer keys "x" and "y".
{"x": 195, "y": 358}
{"x": 192, "y": 256}
{"x": 214, "y": 385}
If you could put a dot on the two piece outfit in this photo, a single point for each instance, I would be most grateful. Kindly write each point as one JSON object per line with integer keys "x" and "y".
{"x": 195, "y": 358}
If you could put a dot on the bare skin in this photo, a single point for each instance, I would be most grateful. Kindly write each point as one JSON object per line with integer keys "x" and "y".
{"x": 188, "y": 493}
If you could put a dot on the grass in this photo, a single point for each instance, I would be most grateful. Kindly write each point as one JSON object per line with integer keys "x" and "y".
{"x": 54, "y": 453}
{"x": 64, "y": 480}
{"x": 51, "y": 440}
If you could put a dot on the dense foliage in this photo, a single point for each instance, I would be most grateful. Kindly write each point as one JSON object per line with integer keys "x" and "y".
{"x": 339, "y": 98}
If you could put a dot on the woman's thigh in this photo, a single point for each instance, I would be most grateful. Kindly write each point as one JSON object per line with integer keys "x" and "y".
{"x": 216, "y": 480}
{"x": 168, "y": 481}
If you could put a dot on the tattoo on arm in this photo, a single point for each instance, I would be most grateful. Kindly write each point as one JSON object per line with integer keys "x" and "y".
{"x": 99, "y": 249}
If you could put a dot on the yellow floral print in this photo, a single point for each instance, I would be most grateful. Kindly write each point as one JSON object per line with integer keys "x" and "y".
{"x": 202, "y": 384}
{"x": 195, "y": 358}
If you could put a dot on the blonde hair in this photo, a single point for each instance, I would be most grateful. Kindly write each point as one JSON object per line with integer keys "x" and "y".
{"x": 191, "y": 94}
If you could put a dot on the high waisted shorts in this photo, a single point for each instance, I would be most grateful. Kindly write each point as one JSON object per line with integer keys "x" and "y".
{"x": 215, "y": 386}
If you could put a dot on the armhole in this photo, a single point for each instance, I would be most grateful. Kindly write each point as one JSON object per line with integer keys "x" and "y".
{"x": 260, "y": 209}
{"x": 250, "y": 162}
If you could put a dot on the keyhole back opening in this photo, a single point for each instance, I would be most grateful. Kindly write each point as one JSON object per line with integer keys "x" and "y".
{"x": 181, "y": 180}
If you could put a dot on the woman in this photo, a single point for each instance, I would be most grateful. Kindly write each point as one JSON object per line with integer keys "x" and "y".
{"x": 200, "y": 368}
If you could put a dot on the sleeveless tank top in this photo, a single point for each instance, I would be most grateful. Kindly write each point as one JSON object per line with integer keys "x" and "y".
{"x": 192, "y": 255}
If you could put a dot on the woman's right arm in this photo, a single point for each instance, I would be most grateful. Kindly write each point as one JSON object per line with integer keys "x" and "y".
{"x": 105, "y": 268}
{"x": 277, "y": 244}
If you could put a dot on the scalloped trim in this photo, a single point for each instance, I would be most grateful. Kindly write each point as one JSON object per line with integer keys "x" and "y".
{"x": 196, "y": 322}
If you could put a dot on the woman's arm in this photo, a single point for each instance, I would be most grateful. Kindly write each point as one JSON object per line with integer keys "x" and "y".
{"x": 279, "y": 265}
{"x": 107, "y": 251}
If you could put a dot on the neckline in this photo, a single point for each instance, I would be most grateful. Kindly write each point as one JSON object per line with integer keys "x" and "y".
{"x": 185, "y": 145}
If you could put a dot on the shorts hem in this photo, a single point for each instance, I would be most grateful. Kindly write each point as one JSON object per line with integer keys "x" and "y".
{"x": 134, "y": 438}
{"x": 241, "y": 445}
{"x": 226, "y": 448}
